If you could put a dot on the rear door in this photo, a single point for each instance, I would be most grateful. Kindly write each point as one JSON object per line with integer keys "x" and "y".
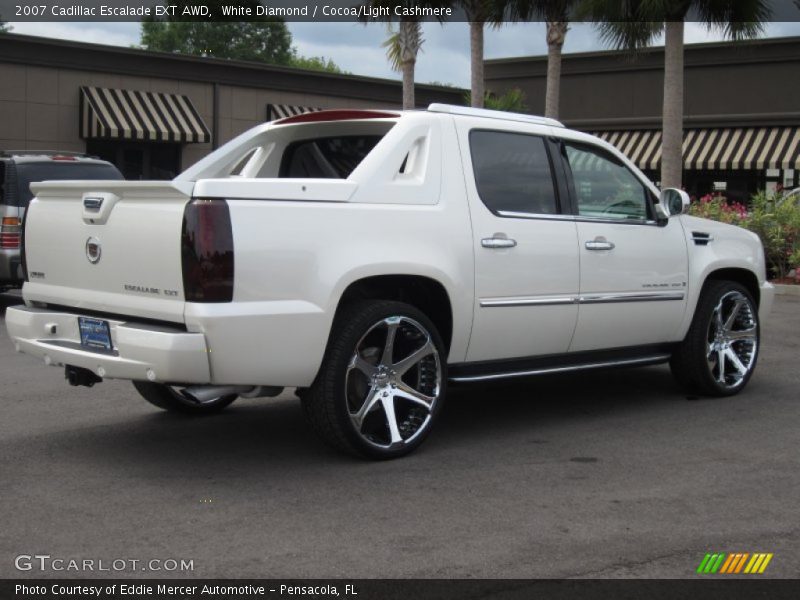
{"x": 526, "y": 258}
{"x": 634, "y": 272}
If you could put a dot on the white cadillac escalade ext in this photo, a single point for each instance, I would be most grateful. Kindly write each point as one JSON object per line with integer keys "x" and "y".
{"x": 367, "y": 258}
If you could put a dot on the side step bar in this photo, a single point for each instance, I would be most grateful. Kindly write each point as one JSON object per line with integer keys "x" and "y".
{"x": 623, "y": 357}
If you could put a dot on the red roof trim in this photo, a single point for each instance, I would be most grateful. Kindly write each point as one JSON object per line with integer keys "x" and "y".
{"x": 337, "y": 115}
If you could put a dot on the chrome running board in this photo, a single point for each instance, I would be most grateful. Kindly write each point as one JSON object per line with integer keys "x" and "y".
{"x": 645, "y": 360}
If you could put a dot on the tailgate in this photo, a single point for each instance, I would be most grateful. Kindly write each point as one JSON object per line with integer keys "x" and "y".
{"x": 107, "y": 246}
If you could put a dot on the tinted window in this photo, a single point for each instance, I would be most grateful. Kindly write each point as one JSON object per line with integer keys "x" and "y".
{"x": 28, "y": 173}
{"x": 512, "y": 172}
{"x": 604, "y": 186}
{"x": 328, "y": 158}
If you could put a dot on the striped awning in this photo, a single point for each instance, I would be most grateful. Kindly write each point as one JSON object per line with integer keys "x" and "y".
{"x": 740, "y": 148}
{"x": 113, "y": 114}
{"x": 281, "y": 111}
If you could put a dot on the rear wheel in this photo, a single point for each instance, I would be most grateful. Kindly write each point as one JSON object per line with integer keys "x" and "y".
{"x": 173, "y": 399}
{"x": 718, "y": 355}
{"x": 382, "y": 381}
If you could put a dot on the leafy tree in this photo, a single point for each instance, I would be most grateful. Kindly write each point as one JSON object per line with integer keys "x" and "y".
{"x": 636, "y": 24}
{"x": 314, "y": 63}
{"x": 264, "y": 41}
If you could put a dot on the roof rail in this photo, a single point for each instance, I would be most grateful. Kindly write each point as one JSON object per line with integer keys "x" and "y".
{"x": 493, "y": 114}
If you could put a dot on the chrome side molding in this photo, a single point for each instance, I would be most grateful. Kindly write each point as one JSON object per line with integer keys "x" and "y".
{"x": 582, "y": 299}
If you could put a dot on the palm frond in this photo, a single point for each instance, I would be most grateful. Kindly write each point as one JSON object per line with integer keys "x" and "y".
{"x": 735, "y": 19}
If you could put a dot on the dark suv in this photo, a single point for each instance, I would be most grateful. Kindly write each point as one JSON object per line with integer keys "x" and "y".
{"x": 18, "y": 169}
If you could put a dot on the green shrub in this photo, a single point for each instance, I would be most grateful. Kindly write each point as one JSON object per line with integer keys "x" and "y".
{"x": 775, "y": 221}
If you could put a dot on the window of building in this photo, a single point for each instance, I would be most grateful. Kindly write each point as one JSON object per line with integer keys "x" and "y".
{"x": 604, "y": 186}
{"x": 512, "y": 172}
{"x": 139, "y": 160}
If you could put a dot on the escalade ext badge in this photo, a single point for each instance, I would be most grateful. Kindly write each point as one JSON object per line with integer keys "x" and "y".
{"x": 93, "y": 250}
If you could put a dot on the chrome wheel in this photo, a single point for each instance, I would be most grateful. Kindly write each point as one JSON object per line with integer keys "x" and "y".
{"x": 393, "y": 382}
{"x": 732, "y": 341}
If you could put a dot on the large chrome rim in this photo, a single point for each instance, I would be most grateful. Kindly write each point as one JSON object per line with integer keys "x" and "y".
{"x": 732, "y": 339}
{"x": 390, "y": 401}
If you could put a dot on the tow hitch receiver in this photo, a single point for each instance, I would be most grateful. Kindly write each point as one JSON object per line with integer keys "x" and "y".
{"x": 80, "y": 376}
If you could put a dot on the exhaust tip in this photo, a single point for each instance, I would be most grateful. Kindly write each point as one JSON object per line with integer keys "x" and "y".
{"x": 76, "y": 376}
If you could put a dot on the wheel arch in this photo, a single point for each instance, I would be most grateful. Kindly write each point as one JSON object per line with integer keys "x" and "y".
{"x": 425, "y": 293}
{"x": 742, "y": 276}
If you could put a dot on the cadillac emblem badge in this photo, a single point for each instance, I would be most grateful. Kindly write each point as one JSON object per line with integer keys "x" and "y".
{"x": 93, "y": 251}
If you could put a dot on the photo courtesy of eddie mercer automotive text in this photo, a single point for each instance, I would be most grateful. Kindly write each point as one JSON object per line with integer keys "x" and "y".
{"x": 371, "y": 258}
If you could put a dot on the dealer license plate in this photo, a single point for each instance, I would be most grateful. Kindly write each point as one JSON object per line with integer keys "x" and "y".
{"x": 95, "y": 333}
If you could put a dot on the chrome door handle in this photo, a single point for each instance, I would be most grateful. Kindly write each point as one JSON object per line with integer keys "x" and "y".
{"x": 600, "y": 244}
{"x": 498, "y": 242}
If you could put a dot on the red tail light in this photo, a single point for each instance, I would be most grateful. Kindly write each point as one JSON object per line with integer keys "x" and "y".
{"x": 22, "y": 246}
{"x": 207, "y": 252}
{"x": 10, "y": 233}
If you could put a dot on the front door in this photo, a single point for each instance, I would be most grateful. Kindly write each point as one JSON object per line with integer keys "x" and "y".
{"x": 634, "y": 272}
{"x": 526, "y": 256}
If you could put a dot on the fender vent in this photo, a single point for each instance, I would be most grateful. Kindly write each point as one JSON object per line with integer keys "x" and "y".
{"x": 701, "y": 238}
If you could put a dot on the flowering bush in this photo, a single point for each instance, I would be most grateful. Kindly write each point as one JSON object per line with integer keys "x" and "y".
{"x": 717, "y": 208}
{"x": 775, "y": 221}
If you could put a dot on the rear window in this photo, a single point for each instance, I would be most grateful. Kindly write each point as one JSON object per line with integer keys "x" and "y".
{"x": 28, "y": 173}
{"x": 327, "y": 158}
{"x": 304, "y": 151}
{"x": 512, "y": 172}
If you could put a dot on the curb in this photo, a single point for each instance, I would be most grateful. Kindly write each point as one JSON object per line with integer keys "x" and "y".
{"x": 782, "y": 289}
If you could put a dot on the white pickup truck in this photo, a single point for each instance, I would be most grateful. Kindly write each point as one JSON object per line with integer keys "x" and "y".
{"x": 369, "y": 257}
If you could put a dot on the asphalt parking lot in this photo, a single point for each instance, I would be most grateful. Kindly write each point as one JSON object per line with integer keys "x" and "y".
{"x": 614, "y": 474}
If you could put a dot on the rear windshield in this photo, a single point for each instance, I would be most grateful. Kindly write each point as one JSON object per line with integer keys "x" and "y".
{"x": 28, "y": 173}
{"x": 327, "y": 158}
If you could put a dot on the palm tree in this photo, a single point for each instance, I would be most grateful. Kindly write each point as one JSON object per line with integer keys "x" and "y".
{"x": 402, "y": 48}
{"x": 404, "y": 44}
{"x": 478, "y": 13}
{"x": 556, "y": 14}
{"x": 636, "y": 24}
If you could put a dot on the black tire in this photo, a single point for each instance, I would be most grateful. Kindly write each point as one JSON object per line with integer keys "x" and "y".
{"x": 332, "y": 404}
{"x": 695, "y": 363}
{"x": 167, "y": 398}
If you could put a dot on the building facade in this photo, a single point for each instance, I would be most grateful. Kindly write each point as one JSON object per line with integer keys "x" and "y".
{"x": 154, "y": 114}
{"x": 741, "y": 110}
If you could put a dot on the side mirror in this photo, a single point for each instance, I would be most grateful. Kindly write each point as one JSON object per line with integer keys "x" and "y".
{"x": 674, "y": 201}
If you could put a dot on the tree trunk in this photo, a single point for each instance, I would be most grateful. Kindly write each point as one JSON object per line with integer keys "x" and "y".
{"x": 556, "y": 33}
{"x": 476, "y": 62}
{"x": 672, "y": 124}
{"x": 408, "y": 85}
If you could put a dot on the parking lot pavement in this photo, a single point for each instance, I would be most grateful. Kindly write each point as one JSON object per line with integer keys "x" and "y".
{"x": 613, "y": 474}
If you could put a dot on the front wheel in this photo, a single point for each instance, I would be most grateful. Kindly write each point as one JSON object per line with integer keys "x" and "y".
{"x": 382, "y": 381}
{"x": 718, "y": 355}
{"x": 173, "y": 399}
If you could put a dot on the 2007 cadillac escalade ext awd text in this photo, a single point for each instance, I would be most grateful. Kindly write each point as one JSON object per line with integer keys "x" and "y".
{"x": 369, "y": 257}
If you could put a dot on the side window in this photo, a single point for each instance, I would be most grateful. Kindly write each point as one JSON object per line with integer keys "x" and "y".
{"x": 512, "y": 172}
{"x": 604, "y": 186}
